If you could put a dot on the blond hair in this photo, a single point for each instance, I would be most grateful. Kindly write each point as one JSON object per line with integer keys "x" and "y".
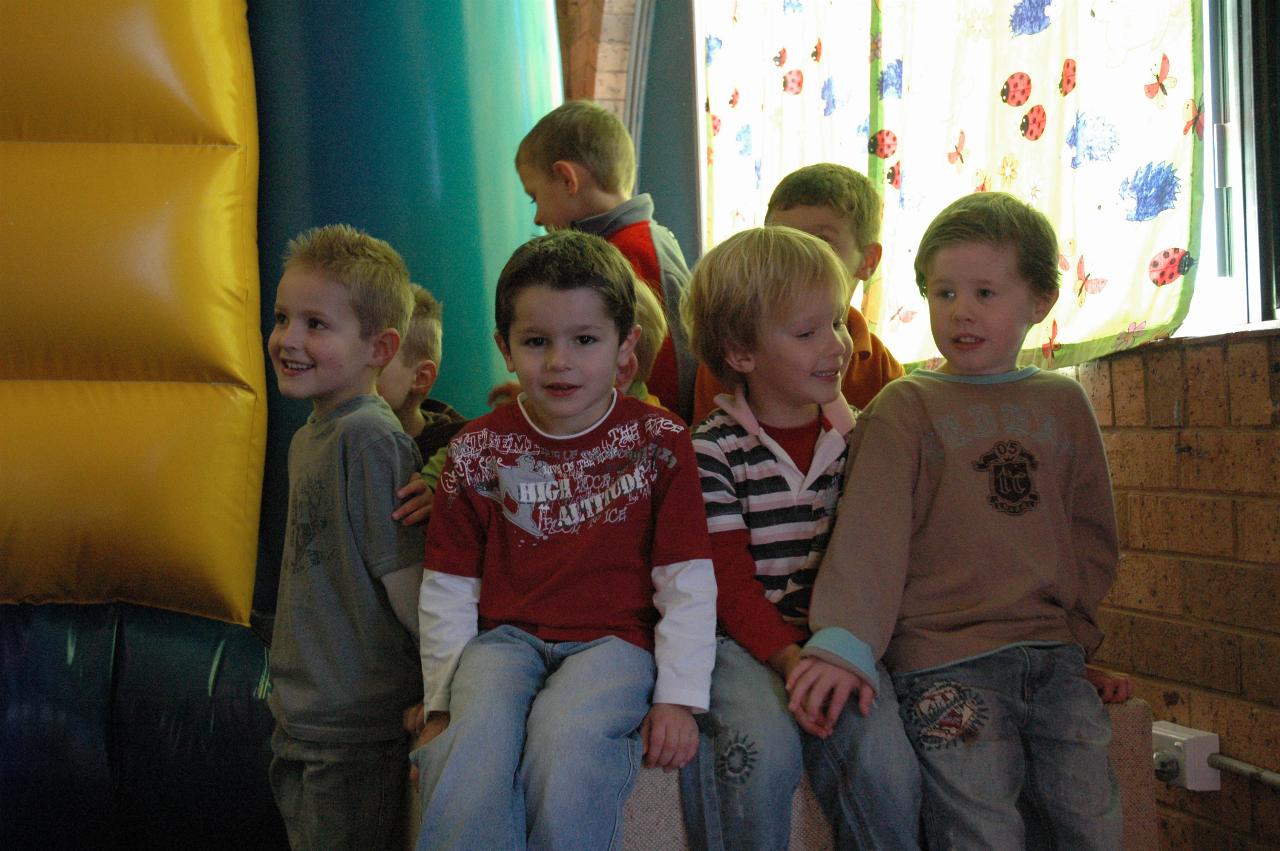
{"x": 995, "y": 218}
{"x": 849, "y": 193}
{"x": 653, "y": 329}
{"x": 372, "y": 272}
{"x": 585, "y": 133}
{"x": 424, "y": 340}
{"x": 752, "y": 274}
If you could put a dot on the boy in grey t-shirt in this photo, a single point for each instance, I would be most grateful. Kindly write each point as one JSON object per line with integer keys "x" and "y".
{"x": 344, "y": 660}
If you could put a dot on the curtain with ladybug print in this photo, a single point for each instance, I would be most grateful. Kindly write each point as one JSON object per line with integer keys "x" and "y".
{"x": 1090, "y": 111}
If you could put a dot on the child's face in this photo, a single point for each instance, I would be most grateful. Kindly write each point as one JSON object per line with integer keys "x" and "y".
{"x": 315, "y": 346}
{"x": 564, "y": 349}
{"x": 829, "y": 225}
{"x": 396, "y": 381}
{"x": 800, "y": 358}
{"x": 980, "y": 307}
{"x": 555, "y": 206}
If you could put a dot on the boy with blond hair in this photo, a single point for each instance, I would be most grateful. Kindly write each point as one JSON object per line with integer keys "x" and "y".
{"x": 977, "y": 579}
{"x": 550, "y": 601}
{"x": 578, "y": 165}
{"x": 343, "y": 661}
{"x": 766, "y": 314}
{"x": 842, "y": 208}
{"x": 406, "y": 382}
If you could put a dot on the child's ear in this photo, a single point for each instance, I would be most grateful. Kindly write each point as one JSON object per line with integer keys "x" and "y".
{"x": 566, "y": 173}
{"x": 871, "y": 255}
{"x": 627, "y": 372}
{"x": 627, "y": 347}
{"x": 385, "y": 344}
{"x": 506, "y": 352}
{"x": 424, "y": 377}
{"x": 1044, "y": 302}
{"x": 739, "y": 361}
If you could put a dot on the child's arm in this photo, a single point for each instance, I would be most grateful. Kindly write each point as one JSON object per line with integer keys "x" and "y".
{"x": 670, "y": 736}
{"x": 419, "y": 493}
{"x": 402, "y": 593}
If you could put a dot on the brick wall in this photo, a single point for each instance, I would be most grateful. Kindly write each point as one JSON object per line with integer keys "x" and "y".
{"x": 595, "y": 45}
{"x": 1192, "y": 430}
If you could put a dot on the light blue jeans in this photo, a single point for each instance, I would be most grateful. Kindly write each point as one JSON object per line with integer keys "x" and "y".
{"x": 542, "y": 746}
{"x": 737, "y": 792}
{"x": 1019, "y": 729}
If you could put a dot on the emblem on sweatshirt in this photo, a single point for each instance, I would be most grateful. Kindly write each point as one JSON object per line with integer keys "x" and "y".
{"x": 1009, "y": 467}
{"x": 942, "y": 714}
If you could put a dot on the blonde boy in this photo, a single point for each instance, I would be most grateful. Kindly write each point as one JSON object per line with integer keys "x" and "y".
{"x": 578, "y": 165}
{"x": 977, "y": 579}
{"x": 550, "y": 601}
{"x": 343, "y": 660}
{"x": 841, "y": 207}
{"x": 406, "y": 382}
{"x": 766, "y": 314}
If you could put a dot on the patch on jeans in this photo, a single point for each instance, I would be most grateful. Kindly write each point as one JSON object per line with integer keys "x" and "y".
{"x": 736, "y": 758}
{"x": 944, "y": 713}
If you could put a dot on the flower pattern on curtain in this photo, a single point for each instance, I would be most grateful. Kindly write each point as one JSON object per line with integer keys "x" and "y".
{"x": 1091, "y": 111}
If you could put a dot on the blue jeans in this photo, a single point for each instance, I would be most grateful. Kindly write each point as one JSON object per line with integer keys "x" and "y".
{"x": 340, "y": 794}
{"x": 1020, "y": 728}
{"x": 542, "y": 746}
{"x": 737, "y": 792}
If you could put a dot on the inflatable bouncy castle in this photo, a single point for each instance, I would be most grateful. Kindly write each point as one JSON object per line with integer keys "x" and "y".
{"x": 157, "y": 157}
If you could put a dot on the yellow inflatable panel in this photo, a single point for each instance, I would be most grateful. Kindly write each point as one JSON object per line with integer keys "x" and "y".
{"x": 132, "y": 389}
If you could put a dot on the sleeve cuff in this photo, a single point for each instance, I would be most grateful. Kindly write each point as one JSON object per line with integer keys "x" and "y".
{"x": 844, "y": 650}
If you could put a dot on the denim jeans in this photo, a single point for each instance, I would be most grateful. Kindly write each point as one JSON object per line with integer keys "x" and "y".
{"x": 737, "y": 792}
{"x": 1018, "y": 728}
{"x": 340, "y": 794}
{"x": 542, "y": 746}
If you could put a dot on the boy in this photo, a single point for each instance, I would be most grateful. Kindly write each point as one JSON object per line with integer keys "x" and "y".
{"x": 978, "y": 578}
{"x": 343, "y": 666}
{"x": 841, "y": 207}
{"x": 578, "y": 165}
{"x": 766, "y": 312}
{"x": 550, "y": 601}
{"x": 406, "y": 382}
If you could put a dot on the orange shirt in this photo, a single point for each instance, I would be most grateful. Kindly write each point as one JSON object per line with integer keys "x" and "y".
{"x": 872, "y": 367}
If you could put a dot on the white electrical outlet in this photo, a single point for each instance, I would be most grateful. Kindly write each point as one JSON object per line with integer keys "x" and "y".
{"x": 1191, "y": 748}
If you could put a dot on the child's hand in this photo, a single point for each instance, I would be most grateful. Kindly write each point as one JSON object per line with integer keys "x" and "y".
{"x": 417, "y": 502}
{"x": 415, "y": 718}
{"x": 670, "y": 736}
{"x": 435, "y": 724}
{"x": 1111, "y": 688}
{"x": 819, "y": 691}
{"x": 501, "y": 394}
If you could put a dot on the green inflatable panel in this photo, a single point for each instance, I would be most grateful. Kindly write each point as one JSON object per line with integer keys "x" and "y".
{"x": 400, "y": 117}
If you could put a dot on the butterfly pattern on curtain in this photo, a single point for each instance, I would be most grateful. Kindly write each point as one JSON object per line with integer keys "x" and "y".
{"x": 1090, "y": 111}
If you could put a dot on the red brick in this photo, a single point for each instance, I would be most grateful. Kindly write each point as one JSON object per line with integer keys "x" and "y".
{"x": 1259, "y": 535}
{"x": 1148, "y": 583}
{"x": 1165, "y": 387}
{"x": 1232, "y": 806}
{"x": 1245, "y": 730}
{"x": 1189, "y": 654}
{"x": 1128, "y": 390}
{"x": 1235, "y": 595}
{"x": 1266, "y": 813}
{"x": 1242, "y": 462}
{"x": 1206, "y": 374}
{"x": 1261, "y": 670}
{"x": 1116, "y": 649}
{"x": 1168, "y": 702}
{"x": 1095, "y": 377}
{"x": 1180, "y": 524}
{"x": 1141, "y": 458}
{"x": 1177, "y": 829}
{"x": 1249, "y": 382}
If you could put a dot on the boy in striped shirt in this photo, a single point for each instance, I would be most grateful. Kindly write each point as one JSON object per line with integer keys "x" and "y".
{"x": 766, "y": 313}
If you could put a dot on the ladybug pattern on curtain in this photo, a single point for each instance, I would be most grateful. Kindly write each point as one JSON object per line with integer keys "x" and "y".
{"x": 1090, "y": 111}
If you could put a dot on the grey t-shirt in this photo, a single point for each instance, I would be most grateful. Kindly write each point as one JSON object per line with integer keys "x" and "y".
{"x": 343, "y": 668}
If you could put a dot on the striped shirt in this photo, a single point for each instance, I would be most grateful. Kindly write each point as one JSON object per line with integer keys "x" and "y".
{"x": 754, "y": 492}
